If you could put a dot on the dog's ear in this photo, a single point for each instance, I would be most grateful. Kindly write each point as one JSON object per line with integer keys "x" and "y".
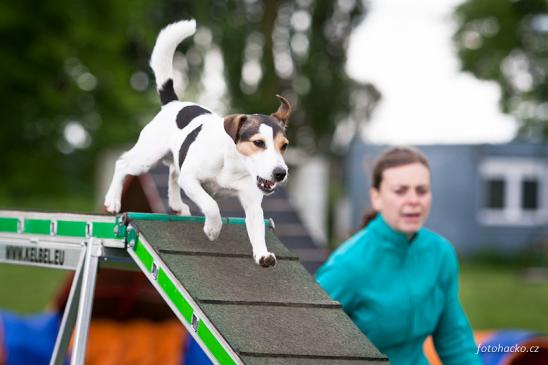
{"x": 283, "y": 112}
{"x": 233, "y": 123}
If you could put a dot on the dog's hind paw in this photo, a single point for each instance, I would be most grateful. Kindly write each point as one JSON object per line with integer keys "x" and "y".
{"x": 182, "y": 210}
{"x": 112, "y": 206}
{"x": 266, "y": 260}
{"x": 212, "y": 230}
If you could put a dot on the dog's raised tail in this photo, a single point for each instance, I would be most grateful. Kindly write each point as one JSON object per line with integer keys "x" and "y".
{"x": 161, "y": 60}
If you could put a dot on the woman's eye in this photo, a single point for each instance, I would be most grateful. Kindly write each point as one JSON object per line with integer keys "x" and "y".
{"x": 259, "y": 143}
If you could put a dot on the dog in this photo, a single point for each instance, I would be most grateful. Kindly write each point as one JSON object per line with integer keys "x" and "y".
{"x": 239, "y": 155}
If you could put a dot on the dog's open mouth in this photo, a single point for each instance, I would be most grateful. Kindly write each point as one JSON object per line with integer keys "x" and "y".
{"x": 266, "y": 186}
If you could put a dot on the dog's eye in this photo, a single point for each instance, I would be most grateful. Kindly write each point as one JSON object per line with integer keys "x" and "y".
{"x": 259, "y": 143}
{"x": 284, "y": 147}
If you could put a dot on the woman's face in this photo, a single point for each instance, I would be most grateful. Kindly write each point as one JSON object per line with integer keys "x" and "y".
{"x": 404, "y": 197}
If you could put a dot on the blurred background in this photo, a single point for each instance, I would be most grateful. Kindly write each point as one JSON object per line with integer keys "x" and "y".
{"x": 466, "y": 81}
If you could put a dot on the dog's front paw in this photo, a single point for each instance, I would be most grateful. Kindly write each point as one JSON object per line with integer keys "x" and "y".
{"x": 112, "y": 205}
{"x": 212, "y": 228}
{"x": 265, "y": 260}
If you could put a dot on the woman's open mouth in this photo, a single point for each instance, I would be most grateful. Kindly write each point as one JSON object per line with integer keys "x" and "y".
{"x": 411, "y": 216}
{"x": 266, "y": 186}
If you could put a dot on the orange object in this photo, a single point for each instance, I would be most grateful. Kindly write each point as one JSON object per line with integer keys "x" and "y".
{"x": 432, "y": 355}
{"x": 135, "y": 342}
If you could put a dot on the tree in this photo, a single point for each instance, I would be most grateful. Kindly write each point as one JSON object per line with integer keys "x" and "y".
{"x": 297, "y": 48}
{"x": 66, "y": 92}
{"x": 507, "y": 42}
{"x": 76, "y": 79}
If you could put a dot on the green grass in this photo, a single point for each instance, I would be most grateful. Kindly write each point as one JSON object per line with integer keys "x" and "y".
{"x": 68, "y": 203}
{"x": 28, "y": 289}
{"x": 496, "y": 296}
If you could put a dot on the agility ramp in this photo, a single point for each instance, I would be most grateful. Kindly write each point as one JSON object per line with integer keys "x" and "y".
{"x": 237, "y": 311}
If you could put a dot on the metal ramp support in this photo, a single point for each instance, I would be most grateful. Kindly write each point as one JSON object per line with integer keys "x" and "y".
{"x": 237, "y": 311}
{"x": 69, "y": 242}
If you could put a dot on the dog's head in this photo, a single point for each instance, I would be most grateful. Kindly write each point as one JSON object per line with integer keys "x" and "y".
{"x": 261, "y": 143}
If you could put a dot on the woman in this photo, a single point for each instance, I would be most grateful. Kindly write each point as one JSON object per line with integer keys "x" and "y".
{"x": 396, "y": 280}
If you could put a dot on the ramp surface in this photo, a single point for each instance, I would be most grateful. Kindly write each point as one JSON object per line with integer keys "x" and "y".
{"x": 239, "y": 312}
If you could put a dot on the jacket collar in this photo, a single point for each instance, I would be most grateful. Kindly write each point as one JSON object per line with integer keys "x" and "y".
{"x": 399, "y": 240}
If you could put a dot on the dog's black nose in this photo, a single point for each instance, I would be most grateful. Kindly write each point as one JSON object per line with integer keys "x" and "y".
{"x": 279, "y": 173}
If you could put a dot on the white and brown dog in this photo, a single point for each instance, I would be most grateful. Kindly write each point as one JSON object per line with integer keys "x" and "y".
{"x": 238, "y": 155}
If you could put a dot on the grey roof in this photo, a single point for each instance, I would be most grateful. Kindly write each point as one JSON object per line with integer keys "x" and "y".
{"x": 272, "y": 316}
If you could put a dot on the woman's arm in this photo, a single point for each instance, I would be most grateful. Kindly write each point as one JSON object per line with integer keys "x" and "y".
{"x": 453, "y": 336}
{"x": 338, "y": 281}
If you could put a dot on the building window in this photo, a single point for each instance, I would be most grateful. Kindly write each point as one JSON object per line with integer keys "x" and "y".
{"x": 529, "y": 194}
{"x": 514, "y": 191}
{"x": 495, "y": 194}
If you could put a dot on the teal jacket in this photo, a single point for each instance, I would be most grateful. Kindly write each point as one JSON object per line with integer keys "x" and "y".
{"x": 400, "y": 291}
